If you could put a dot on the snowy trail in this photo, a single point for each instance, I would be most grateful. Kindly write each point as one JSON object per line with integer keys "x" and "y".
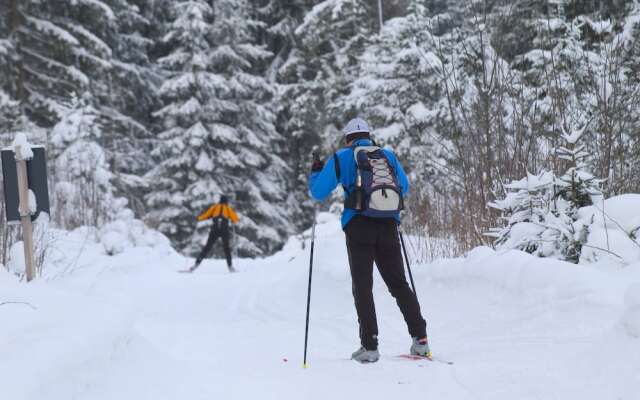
{"x": 130, "y": 327}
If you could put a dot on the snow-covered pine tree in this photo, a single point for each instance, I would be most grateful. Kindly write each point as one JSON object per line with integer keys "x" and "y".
{"x": 83, "y": 194}
{"x": 578, "y": 55}
{"x": 332, "y": 38}
{"x": 398, "y": 87}
{"x": 296, "y": 113}
{"x": 184, "y": 94}
{"x": 279, "y": 21}
{"x": 130, "y": 98}
{"x": 9, "y": 117}
{"x": 60, "y": 49}
{"x": 219, "y": 136}
{"x": 399, "y": 90}
{"x": 9, "y": 107}
{"x": 542, "y": 211}
{"x": 12, "y": 116}
{"x": 526, "y": 208}
{"x": 324, "y": 54}
{"x": 261, "y": 176}
{"x": 577, "y": 186}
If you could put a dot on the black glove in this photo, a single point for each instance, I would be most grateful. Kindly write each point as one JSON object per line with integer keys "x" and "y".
{"x": 317, "y": 164}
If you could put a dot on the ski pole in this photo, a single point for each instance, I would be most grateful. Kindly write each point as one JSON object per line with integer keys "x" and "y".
{"x": 234, "y": 243}
{"x": 406, "y": 258}
{"x": 306, "y": 329}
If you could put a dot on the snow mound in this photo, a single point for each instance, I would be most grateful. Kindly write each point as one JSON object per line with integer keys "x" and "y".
{"x": 614, "y": 227}
{"x": 480, "y": 253}
{"x": 128, "y": 232}
{"x": 631, "y": 318}
{"x": 609, "y": 243}
{"x": 545, "y": 279}
{"x": 5, "y": 276}
{"x": 619, "y": 212}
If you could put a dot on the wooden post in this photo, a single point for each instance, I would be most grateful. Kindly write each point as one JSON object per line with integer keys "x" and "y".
{"x": 25, "y": 212}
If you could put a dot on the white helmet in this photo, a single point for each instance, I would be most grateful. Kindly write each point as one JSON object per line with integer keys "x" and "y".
{"x": 356, "y": 125}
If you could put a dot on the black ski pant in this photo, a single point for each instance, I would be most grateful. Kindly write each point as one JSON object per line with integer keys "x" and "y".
{"x": 375, "y": 239}
{"x": 214, "y": 234}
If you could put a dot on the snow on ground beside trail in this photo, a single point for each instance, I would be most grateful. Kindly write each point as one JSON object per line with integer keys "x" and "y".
{"x": 128, "y": 326}
{"x": 631, "y": 318}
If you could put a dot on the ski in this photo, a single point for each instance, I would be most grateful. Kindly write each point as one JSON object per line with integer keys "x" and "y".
{"x": 414, "y": 357}
{"x": 188, "y": 270}
{"x": 191, "y": 270}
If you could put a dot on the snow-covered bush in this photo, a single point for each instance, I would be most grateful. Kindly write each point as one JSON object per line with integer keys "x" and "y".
{"x": 542, "y": 211}
{"x": 16, "y": 262}
{"x": 82, "y": 190}
{"x": 125, "y": 231}
{"x": 42, "y": 242}
{"x": 537, "y": 220}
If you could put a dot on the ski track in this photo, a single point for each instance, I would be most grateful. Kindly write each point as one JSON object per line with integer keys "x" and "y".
{"x": 139, "y": 330}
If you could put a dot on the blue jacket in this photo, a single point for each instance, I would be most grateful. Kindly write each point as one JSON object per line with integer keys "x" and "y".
{"x": 322, "y": 183}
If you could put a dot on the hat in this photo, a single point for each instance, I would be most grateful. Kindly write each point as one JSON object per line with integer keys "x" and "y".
{"x": 356, "y": 125}
{"x": 223, "y": 199}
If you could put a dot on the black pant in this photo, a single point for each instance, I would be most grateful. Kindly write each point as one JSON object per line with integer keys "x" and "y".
{"x": 214, "y": 234}
{"x": 369, "y": 240}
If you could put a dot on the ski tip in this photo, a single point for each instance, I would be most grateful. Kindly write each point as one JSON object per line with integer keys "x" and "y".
{"x": 305, "y": 366}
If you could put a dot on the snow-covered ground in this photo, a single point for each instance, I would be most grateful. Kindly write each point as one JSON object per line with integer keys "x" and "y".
{"x": 128, "y": 326}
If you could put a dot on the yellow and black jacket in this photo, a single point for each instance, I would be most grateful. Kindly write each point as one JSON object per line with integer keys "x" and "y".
{"x": 222, "y": 214}
{"x": 220, "y": 210}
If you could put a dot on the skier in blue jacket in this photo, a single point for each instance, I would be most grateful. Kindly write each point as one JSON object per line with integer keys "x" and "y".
{"x": 370, "y": 239}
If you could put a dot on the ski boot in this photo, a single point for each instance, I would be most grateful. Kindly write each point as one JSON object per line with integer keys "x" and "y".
{"x": 364, "y": 356}
{"x": 420, "y": 347}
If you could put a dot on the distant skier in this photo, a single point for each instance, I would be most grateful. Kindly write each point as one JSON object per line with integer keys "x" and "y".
{"x": 374, "y": 184}
{"x": 221, "y": 214}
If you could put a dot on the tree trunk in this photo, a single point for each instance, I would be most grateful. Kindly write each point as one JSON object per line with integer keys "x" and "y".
{"x": 14, "y": 20}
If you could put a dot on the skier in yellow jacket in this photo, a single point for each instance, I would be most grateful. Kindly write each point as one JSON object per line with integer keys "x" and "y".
{"x": 221, "y": 214}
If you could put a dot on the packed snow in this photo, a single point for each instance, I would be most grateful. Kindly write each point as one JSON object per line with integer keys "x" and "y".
{"x": 128, "y": 326}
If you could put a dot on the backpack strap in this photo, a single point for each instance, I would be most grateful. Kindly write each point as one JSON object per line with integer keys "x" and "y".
{"x": 336, "y": 163}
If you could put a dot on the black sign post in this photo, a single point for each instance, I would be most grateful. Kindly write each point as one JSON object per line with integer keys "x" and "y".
{"x": 37, "y": 177}
{"x": 21, "y": 176}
